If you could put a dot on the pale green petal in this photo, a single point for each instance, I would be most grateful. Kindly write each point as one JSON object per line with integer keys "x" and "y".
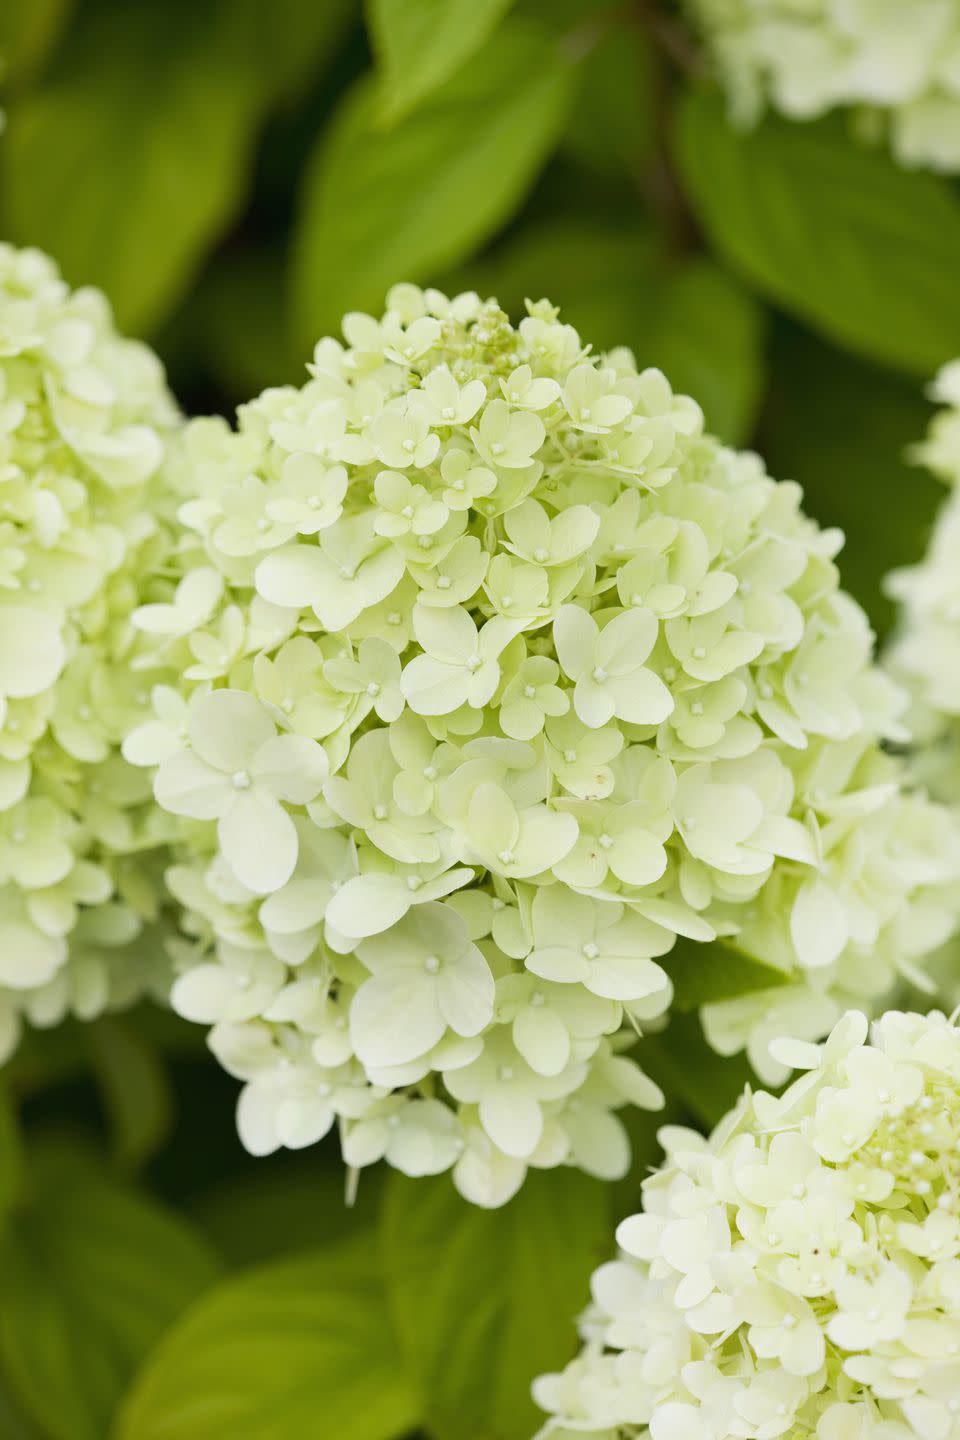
{"x": 259, "y": 841}
{"x": 227, "y": 728}
{"x": 186, "y": 785}
{"x": 290, "y": 767}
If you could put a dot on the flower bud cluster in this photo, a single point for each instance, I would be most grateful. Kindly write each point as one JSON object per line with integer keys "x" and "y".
{"x": 799, "y": 1272}
{"x": 84, "y": 417}
{"x": 898, "y": 65}
{"x": 482, "y": 674}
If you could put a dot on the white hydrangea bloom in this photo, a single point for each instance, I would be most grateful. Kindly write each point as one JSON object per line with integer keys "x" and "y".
{"x": 897, "y": 63}
{"x": 83, "y": 420}
{"x": 482, "y": 676}
{"x": 797, "y": 1274}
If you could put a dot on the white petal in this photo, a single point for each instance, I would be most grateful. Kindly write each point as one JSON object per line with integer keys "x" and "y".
{"x": 395, "y": 1018}
{"x": 32, "y": 652}
{"x": 367, "y": 905}
{"x": 291, "y": 767}
{"x": 512, "y": 1119}
{"x": 186, "y": 785}
{"x": 228, "y": 727}
{"x": 465, "y": 991}
{"x": 259, "y": 841}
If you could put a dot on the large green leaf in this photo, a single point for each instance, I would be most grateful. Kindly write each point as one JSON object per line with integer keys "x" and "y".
{"x": 11, "y": 1154}
{"x": 484, "y": 1300}
{"x": 612, "y": 128}
{"x": 687, "y": 317}
{"x": 127, "y": 171}
{"x": 92, "y": 1274}
{"x": 28, "y": 30}
{"x": 383, "y": 206}
{"x": 841, "y": 427}
{"x": 418, "y": 46}
{"x": 291, "y": 40}
{"x": 134, "y": 1088}
{"x": 833, "y": 231}
{"x": 301, "y": 1348}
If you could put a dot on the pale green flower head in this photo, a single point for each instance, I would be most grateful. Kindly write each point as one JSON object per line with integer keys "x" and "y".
{"x": 896, "y": 65}
{"x": 480, "y": 675}
{"x": 796, "y": 1273}
{"x": 84, "y": 421}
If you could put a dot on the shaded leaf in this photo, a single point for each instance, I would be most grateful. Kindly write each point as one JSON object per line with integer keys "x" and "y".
{"x": 28, "y": 31}
{"x": 11, "y": 1154}
{"x": 705, "y": 973}
{"x": 686, "y": 1069}
{"x": 286, "y": 1208}
{"x": 613, "y": 124}
{"x": 833, "y": 231}
{"x": 484, "y": 1300}
{"x": 134, "y": 1088}
{"x": 93, "y": 1273}
{"x": 419, "y": 46}
{"x": 383, "y": 206}
{"x": 148, "y": 155}
{"x": 841, "y": 427}
{"x": 299, "y": 1348}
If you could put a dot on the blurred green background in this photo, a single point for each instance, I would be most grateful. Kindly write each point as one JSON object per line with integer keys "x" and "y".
{"x": 236, "y": 174}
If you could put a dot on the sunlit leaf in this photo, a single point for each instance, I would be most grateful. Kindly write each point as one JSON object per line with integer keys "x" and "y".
{"x": 419, "y": 46}
{"x": 382, "y": 206}
{"x": 484, "y": 1299}
{"x": 303, "y": 1347}
{"x": 833, "y": 231}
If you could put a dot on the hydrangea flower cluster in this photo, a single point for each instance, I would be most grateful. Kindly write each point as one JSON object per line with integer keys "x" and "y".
{"x": 925, "y": 653}
{"x": 83, "y": 420}
{"x": 898, "y": 64}
{"x": 483, "y": 675}
{"x": 799, "y": 1272}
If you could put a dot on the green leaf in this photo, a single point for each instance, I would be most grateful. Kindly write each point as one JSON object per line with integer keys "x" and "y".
{"x": 147, "y": 155}
{"x": 11, "y": 1154}
{"x": 689, "y": 318}
{"x": 419, "y": 45}
{"x": 299, "y": 1348}
{"x": 612, "y": 129}
{"x": 840, "y": 427}
{"x": 284, "y": 1207}
{"x": 379, "y": 207}
{"x": 686, "y": 1069}
{"x": 134, "y": 1089}
{"x": 28, "y": 31}
{"x": 705, "y": 973}
{"x": 484, "y": 1300}
{"x": 92, "y": 1274}
{"x": 292, "y": 40}
{"x": 829, "y": 229}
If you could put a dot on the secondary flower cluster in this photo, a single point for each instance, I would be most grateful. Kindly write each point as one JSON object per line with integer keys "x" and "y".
{"x": 799, "y": 1272}
{"x": 898, "y": 64}
{"x": 925, "y": 653}
{"x": 83, "y": 416}
{"x": 483, "y": 674}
